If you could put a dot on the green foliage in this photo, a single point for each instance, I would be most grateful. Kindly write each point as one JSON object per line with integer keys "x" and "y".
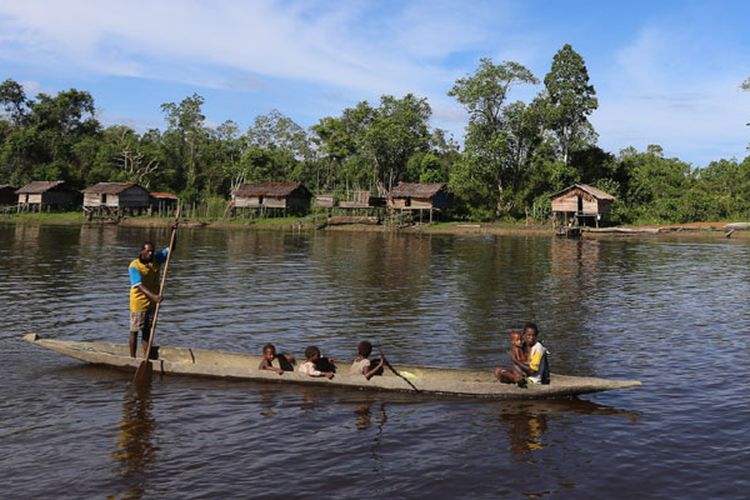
{"x": 568, "y": 102}
{"x": 500, "y": 137}
{"x": 515, "y": 155}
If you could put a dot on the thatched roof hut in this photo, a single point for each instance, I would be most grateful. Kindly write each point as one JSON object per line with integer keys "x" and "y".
{"x": 115, "y": 195}
{"x": 412, "y": 196}
{"x": 38, "y": 195}
{"x": 581, "y": 204}
{"x": 416, "y": 196}
{"x": 290, "y": 197}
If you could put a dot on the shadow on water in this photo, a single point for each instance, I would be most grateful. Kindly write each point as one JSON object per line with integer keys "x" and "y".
{"x": 526, "y": 422}
{"x": 135, "y": 447}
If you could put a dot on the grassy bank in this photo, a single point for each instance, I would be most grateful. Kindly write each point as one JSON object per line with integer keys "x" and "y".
{"x": 313, "y": 222}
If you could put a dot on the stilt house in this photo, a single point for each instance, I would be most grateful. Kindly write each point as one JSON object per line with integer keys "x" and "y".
{"x": 115, "y": 195}
{"x": 274, "y": 197}
{"x": 415, "y": 197}
{"x": 45, "y": 195}
{"x": 163, "y": 203}
{"x": 581, "y": 205}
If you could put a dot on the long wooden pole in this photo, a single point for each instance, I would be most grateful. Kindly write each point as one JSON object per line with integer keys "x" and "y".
{"x": 143, "y": 373}
{"x": 396, "y": 371}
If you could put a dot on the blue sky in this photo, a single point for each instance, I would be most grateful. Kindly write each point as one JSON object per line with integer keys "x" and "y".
{"x": 665, "y": 72}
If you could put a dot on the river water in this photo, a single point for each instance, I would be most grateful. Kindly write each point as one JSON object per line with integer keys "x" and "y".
{"x": 673, "y": 314}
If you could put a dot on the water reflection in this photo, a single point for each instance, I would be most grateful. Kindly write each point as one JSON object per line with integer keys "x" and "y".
{"x": 363, "y": 417}
{"x": 267, "y": 402}
{"x": 525, "y": 430}
{"x": 527, "y": 422}
{"x": 135, "y": 447}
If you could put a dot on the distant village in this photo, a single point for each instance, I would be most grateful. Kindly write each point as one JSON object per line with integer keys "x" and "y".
{"x": 576, "y": 205}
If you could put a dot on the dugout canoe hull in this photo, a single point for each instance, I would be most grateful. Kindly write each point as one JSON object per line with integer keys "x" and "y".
{"x": 479, "y": 384}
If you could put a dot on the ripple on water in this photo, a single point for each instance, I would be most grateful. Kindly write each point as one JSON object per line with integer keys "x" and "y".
{"x": 670, "y": 314}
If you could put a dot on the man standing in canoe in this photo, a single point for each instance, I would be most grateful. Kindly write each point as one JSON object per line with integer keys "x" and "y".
{"x": 144, "y": 292}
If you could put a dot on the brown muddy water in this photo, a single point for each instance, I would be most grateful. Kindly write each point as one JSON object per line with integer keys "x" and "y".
{"x": 672, "y": 314}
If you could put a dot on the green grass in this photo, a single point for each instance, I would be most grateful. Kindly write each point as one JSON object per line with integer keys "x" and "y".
{"x": 45, "y": 217}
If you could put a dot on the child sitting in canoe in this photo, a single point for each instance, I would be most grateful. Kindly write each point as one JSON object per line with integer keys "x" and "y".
{"x": 362, "y": 364}
{"x": 538, "y": 366}
{"x": 284, "y": 362}
{"x": 315, "y": 365}
{"x": 515, "y": 374}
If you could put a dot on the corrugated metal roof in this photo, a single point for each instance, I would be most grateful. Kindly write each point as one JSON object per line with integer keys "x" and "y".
{"x": 39, "y": 187}
{"x": 110, "y": 187}
{"x": 416, "y": 190}
{"x": 596, "y": 193}
{"x": 275, "y": 189}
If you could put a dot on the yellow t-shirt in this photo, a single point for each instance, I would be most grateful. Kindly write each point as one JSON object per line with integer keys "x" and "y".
{"x": 148, "y": 276}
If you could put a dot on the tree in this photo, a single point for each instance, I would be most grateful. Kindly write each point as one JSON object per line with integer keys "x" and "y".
{"x": 276, "y": 131}
{"x": 656, "y": 186}
{"x": 186, "y": 138}
{"x": 336, "y": 143}
{"x": 398, "y": 130}
{"x": 231, "y": 146}
{"x": 52, "y": 137}
{"x": 14, "y": 102}
{"x": 133, "y": 162}
{"x": 499, "y": 136}
{"x": 569, "y": 100}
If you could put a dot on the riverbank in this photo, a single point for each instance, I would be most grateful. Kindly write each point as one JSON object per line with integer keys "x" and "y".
{"x": 703, "y": 230}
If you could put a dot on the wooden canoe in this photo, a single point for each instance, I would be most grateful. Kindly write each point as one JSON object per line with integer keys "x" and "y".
{"x": 480, "y": 384}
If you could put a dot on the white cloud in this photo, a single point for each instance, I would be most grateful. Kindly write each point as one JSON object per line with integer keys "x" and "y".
{"x": 665, "y": 88}
{"x": 672, "y": 83}
{"x": 262, "y": 38}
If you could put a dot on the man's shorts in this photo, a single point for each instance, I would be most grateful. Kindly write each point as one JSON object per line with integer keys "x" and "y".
{"x": 142, "y": 321}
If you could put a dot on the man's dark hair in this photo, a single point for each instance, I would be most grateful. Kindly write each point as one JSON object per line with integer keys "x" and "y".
{"x": 531, "y": 326}
{"x": 147, "y": 243}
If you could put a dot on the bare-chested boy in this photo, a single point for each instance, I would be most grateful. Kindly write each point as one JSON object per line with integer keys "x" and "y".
{"x": 518, "y": 358}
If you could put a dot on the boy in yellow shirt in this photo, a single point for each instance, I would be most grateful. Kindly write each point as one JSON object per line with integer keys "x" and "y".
{"x": 144, "y": 292}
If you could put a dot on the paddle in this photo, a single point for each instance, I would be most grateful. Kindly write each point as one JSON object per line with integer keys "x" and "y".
{"x": 390, "y": 366}
{"x": 143, "y": 373}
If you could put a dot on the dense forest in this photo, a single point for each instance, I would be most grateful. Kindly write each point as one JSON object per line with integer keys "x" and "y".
{"x": 515, "y": 154}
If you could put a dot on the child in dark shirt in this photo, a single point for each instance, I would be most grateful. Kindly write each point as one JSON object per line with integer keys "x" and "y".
{"x": 284, "y": 361}
{"x": 315, "y": 365}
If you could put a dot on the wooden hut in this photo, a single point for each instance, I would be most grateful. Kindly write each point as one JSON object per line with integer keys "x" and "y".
{"x": 415, "y": 197}
{"x": 273, "y": 197}
{"x": 581, "y": 205}
{"x": 8, "y": 194}
{"x": 163, "y": 203}
{"x": 45, "y": 195}
{"x": 112, "y": 196}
